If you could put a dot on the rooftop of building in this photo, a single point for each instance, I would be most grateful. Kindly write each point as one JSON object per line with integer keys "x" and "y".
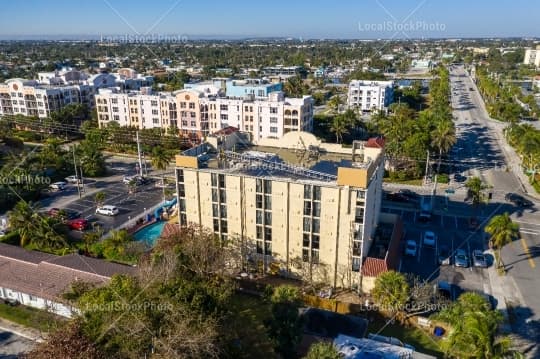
{"x": 371, "y": 83}
{"x": 47, "y": 275}
{"x": 297, "y": 156}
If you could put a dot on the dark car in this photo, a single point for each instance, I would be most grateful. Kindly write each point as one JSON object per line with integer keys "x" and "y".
{"x": 518, "y": 200}
{"x": 444, "y": 256}
{"x": 65, "y": 214}
{"x": 397, "y": 197}
{"x": 409, "y": 194}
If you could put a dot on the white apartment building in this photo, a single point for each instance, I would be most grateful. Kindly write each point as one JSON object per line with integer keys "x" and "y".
{"x": 29, "y": 98}
{"x": 532, "y": 57}
{"x": 293, "y": 202}
{"x": 196, "y": 114}
{"x": 370, "y": 95}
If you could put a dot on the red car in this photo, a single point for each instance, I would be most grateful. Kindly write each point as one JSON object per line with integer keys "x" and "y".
{"x": 79, "y": 224}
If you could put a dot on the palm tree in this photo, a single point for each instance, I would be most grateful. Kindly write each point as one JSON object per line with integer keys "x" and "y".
{"x": 22, "y": 218}
{"x": 502, "y": 231}
{"x": 443, "y": 137}
{"x": 160, "y": 161}
{"x": 334, "y": 103}
{"x": 475, "y": 187}
{"x": 473, "y": 332}
{"x": 339, "y": 127}
{"x": 391, "y": 292}
{"x": 99, "y": 198}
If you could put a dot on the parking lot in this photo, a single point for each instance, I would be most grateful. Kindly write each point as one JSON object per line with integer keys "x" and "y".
{"x": 130, "y": 205}
{"x": 452, "y": 230}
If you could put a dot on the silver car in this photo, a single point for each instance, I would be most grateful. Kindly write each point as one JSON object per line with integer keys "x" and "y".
{"x": 479, "y": 259}
{"x": 461, "y": 259}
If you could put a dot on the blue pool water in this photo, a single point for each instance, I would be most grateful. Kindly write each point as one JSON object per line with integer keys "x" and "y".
{"x": 150, "y": 234}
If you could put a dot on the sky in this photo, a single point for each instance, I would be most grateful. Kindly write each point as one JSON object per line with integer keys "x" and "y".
{"x": 314, "y": 19}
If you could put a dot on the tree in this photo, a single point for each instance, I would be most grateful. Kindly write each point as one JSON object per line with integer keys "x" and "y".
{"x": 160, "y": 161}
{"x": 69, "y": 341}
{"x": 475, "y": 187}
{"x": 443, "y": 137}
{"x": 285, "y": 324}
{"x": 502, "y": 231}
{"x": 473, "y": 333}
{"x": 99, "y": 198}
{"x": 391, "y": 293}
{"x": 334, "y": 103}
{"x": 339, "y": 127}
{"x": 91, "y": 159}
{"x": 322, "y": 350}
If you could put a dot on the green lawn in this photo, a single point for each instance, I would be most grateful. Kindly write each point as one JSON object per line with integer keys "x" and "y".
{"x": 412, "y": 182}
{"x": 421, "y": 341}
{"x": 247, "y": 327}
{"x": 30, "y": 317}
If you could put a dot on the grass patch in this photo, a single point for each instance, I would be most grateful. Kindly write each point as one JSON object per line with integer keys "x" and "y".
{"x": 416, "y": 337}
{"x": 247, "y": 329}
{"x": 30, "y": 317}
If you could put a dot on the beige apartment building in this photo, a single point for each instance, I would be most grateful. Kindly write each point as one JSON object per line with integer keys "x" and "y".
{"x": 294, "y": 203}
{"x": 195, "y": 113}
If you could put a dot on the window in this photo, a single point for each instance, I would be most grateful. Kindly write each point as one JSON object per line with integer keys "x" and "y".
{"x": 222, "y": 196}
{"x": 215, "y": 212}
{"x": 224, "y": 117}
{"x": 268, "y": 218}
{"x": 259, "y": 232}
{"x": 316, "y": 193}
{"x": 115, "y": 109}
{"x": 273, "y": 129}
{"x": 259, "y": 247}
{"x": 259, "y": 217}
{"x": 224, "y": 226}
{"x": 259, "y": 201}
{"x": 307, "y": 224}
{"x": 316, "y": 225}
{"x": 267, "y": 202}
{"x": 307, "y": 191}
{"x": 314, "y": 256}
{"x": 258, "y": 185}
{"x": 267, "y": 186}
{"x": 192, "y": 105}
{"x": 315, "y": 241}
{"x": 153, "y": 103}
{"x": 181, "y": 190}
{"x": 268, "y": 248}
{"x": 273, "y": 120}
{"x": 216, "y": 225}
{"x": 273, "y": 110}
{"x": 214, "y": 179}
{"x": 214, "y": 195}
{"x": 267, "y": 233}
{"x": 305, "y": 255}
{"x": 316, "y": 209}
{"x": 114, "y": 100}
{"x": 223, "y": 107}
{"x": 155, "y": 112}
{"x": 305, "y": 242}
{"x": 307, "y": 208}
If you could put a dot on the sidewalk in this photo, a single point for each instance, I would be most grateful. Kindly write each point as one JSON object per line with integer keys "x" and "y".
{"x": 22, "y": 331}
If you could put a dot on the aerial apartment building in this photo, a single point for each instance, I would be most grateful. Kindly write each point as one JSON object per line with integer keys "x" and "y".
{"x": 29, "y": 98}
{"x": 294, "y": 203}
{"x": 370, "y": 95}
{"x": 532, "y": 57}
{"x": 197, "y": 112}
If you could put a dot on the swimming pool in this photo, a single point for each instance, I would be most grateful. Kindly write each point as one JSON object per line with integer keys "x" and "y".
{"x": 150, "y": 234}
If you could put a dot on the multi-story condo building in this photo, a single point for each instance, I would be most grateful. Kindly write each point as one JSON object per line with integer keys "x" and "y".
{"x": 294, "y": 203}
{"x": 532, "y": 57}
{"x": 197, "y": 113}
{"x": 29, "y": 98}
{"x": 370, "y": 95}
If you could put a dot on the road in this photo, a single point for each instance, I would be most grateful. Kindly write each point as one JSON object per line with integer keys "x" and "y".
{"x": 481, "y": 150}
{"x": 12, "y": 345}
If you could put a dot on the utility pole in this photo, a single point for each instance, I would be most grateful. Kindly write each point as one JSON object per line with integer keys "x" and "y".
{"x": 76, "y": 173}
{"x": 139, "y": 154}
{"x": 427, "y": 167}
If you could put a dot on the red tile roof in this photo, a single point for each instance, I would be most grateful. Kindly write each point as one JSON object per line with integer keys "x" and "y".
{"x": 226, "y": 131}
{"x": 375, "y": 142}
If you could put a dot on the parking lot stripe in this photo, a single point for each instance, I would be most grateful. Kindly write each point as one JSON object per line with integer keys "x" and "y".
{"x": 528, "y": 253}
{"x": 455, "y": 218}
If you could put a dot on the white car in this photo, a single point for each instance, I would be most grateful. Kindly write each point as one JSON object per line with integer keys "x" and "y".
{"x": 58, "y": 186}
{"x": 72, "y": 179}
{"x": 410, "y": 248}
{"x": 429, "y": 239}
{"x": 107, "y": 210}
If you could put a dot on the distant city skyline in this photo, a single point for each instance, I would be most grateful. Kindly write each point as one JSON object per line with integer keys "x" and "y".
{"x": 316, "y": 19}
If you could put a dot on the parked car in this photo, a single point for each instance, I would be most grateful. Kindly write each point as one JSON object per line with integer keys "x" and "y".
{"x": 397, "y": 197}
{"x": 429, "y": 239}
{"x": 410, "y": 248}
{"x": 479, "y": 259}
{"x": 58, "y": 186}
{"x": 444, "y": 255}
{"x": 79, "y": 224}
{"x": 107, "y": 210}
{"x": 411, "y": 195}
{"x": 72, "y": 179}
{"x": 65, "y": 214}
{"x": 461, "y": 259}
{"x": 518, "y": 200}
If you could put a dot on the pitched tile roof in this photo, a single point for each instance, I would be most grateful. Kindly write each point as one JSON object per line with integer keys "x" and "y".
{"x": 47, "y": 275}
